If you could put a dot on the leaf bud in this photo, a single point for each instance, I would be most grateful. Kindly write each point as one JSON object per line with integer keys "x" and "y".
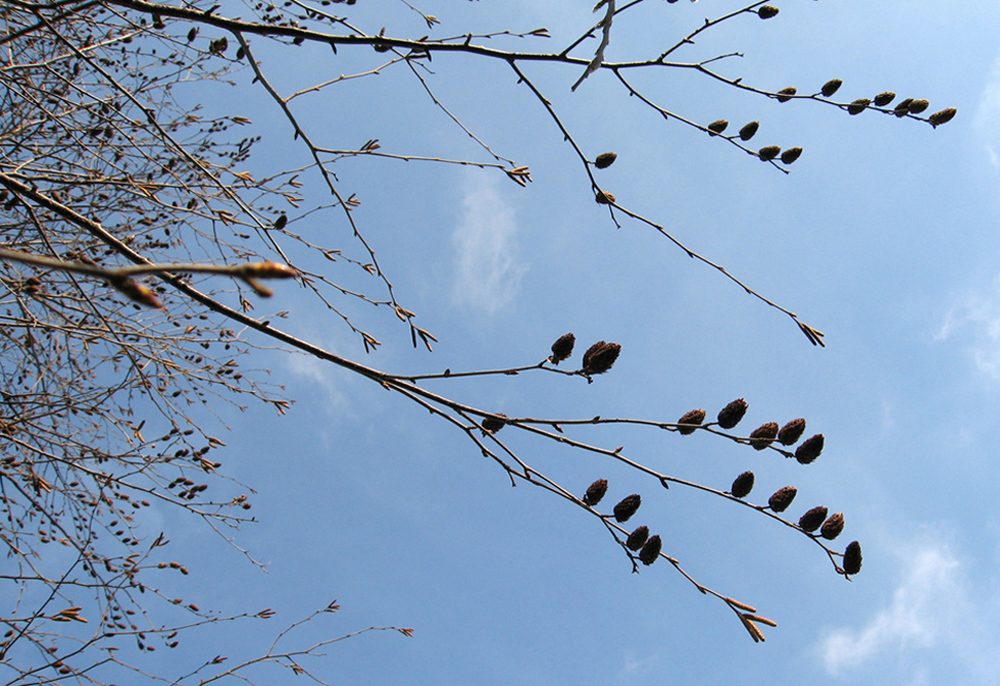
{"x": 562, "y": 348}
{"x": 637, "y": 538}
{"x": 767, "y": 11}
{"x": 600, "y": 357}
{"x": 731, "y": 414}
{"x": 651, "y": 550}
{"x": 884, "y": 98}
{"x": 762, "y": 436}
{"x": 605, "y": 160}
{"x": 832, "y": 526}
{"x": 810, "y": 449}
{"x": 782, "y": 498}
{"x": 858, "y": 106}
{"x": 790, "y": 155}
{"x": 595, "y": 492}
{"x": 742, "y": 485}
{"x": 768, "y": 152}
{"x": 628, "y": 507}
{"x": 831, "y": 87}
{"x": 695, "y": 417}
{"x": 942, "y": 117}
{"x": 792, "y": 431}
{"x": 852, "y": 558}
{"x": 747, "y": 132}
{"x": 812, "y": 519}
{"x": 785, "y": 94}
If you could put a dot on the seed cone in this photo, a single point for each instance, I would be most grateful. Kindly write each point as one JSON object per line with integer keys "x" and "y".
{"x": 832, "y": 526}
{"x": 810, "y": 449}
{"x": 651, "y": 550}
{"x": 782, "y": 498}
{"x": 768, "y": 152}
{"x": 852, "y": 558}
{"x": 628, "y": 507}
{"x": 762, "y": 436}
{"x": 942, "y": 117}
{"x": 790, "y": 155}
{"x": 884, "y": 98}
{"x": 600, "y": 357}
{"x": 831, "y": 87}
{"x": 785, "y": 94}
{"x": 792, "y": 431}
{"x": 692, "y": 417}
{"x": 747, "y": 132}
{"x": 742, "y": 485}
{"x": 858, "y": 106}
{"x": 718, "y": 126}
{"x": 494, "y": 424}
{"x": 813, "y": 519}
{"x": 562, "y": 348}
{"x": 731, "y": 414}
{"x": 595, "y": 492}
{"x": 605, "y": 160}
{"x": 767, "y": 11}
{"x": 637, "y": 538}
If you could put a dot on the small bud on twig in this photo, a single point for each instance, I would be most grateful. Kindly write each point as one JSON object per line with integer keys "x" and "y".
{"x": 767, "y": 11}
{"x": 742, "y": 485}
{"x": 858, "y": 106}
{"x": 604, "y": 198}
{"x": 942, "y": 117}
{"x": 768, "y": 152}
{"x": 637, "y": 538}
{"x": 718, "y": 126}
{"x": 782, "y": 498}
{"x": 600, "y": 357}
{"x": 595, "y": 492}
{"x": 605, "y": 160}
{"x": 762, "y": 436}
{"x": 831, "y": 87}
{"x": 731, "y": 414}
{"x": 694, "y": 417}
{"x": 884, "y": 98}
{"x": 562, "y": 348}
{"x": 785, "y": 94}
{"x": 628, "y": 507}
{"x": 790, "y": 155}
{"x": 747, "y": 132}
{"x": 852, "y": 558}
{"x": 918, "y": 106}
{"x": 792, "y": 431}
{"x": 494, "y": 424}
{"x": 812, "y": 519}
{"x": 651, "y": 550}
{"x": 833, "y": 526}
{"x": 810, "y": 449}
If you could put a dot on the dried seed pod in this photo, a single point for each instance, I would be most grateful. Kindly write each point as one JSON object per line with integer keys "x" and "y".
{"x": 494, "y": 424}
{"x": 628, "y": 506}
{"x": 718, "y": 126}
{"x": 884, "y": 98}
{"x": 600, "y": 357}
{"x": 858, "y": 106}
{"x": 792, "y": 431}
{"x": 605, "y": 160}
{"x": 747, "y": 132}
{"x": 790, "y": 155}
{"x": 637, "y": 538}
{"x": 785, "y": 94}
{"x": 768, "y": 152}
{"x": 604, "y": 198}
{"x": 902, "y": 107}
{"x": 813, "y": 519}
{"x": 852, "y": 558}
{"x": 942, "y": 117}
{"x": 650, "y": 550}
{"x": 692, "y": 417}
{"x": 595, "y": 492}
{"x": 831, "y": 87}
{"x": 918, "y": 106}
{"x": 742, "y": 485}
{"x": 810, "y": 449}
{"x": 562, "y": 348}
{"x": 731, "y": 414}
{"x": 832, "y": 526}
{"x": 762, "y": 436}
{"x": 782, "y": 498}
{"x": 767, "y": 11}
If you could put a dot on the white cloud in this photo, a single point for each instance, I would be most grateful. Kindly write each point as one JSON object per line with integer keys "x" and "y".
{"x": 489, "y": 269}
{"x": 976, "y": 319}
{"x": 987, "y": 118}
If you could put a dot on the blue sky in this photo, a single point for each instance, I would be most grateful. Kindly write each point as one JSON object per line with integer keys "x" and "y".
{"x": 884, "y": 237}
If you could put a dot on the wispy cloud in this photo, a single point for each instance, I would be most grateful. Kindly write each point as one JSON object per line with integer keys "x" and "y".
{"x": 489, "y": 268}
{"x": 975, "y": 320}
{"x": 987, "y": 118}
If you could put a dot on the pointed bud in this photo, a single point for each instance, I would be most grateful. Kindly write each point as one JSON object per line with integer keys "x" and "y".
{"x": 651, "y": 550}
{"x": 731, "y": 414}
{"x": 858, "y": 106}
{"x": 600, "y": 357}
{"x": 742, "y": 485}
{"x": 884, "y": 98}
{"x": 628, "y": 507}
{"x": 695, "y": 417}
{"x": 595, "y": 492}
{"x": 852, "y": 558}
{"x": 762, "y": 436}
{"x": 637, "y": 538}
{"x": 790, "y": 155}
{"x": 562, "y": 348}
{"x": 782, "y": 498}
{"x": 718, "y": 126}
{"x": 605, "y": 160}
{"x": 810, "y": 449}
{"x": 833, "y": 526}
{"x": 792, "y": 431}
{"x": 831, "y": 87}
{"x": 747, "y": 132}
{"x": 942, "y": 117}
{"x": 813, "y": 519}
{"x": 768, "y": 152}
{"x": 767, "y": 11}
{"x": 918, "y": 106}
{"x": 785, "y": 94}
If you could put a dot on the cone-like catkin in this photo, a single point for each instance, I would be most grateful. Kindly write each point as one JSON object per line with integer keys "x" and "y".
{"x": 831, "y": 87}
{"x": 599, "y": 357}
{"x": 605, "y": 160}
{"x": 595, "y": 492}
{"x": 494, "y": 424}
{"x": 884, "y": 98}
{"x": 942, "y": 117}
{"x": 742, "y": 485}
{"x": 813, "y": 519}
{"x": 782, "y": 498}
{"x": 858, "y": 106}
{"x": 852, "y": 558}
{"x": 810, "y": 449}
{"x": 832, "y": 526}
{"x": 604, "y": 198}
{"x": 637, "y": 538}
{"x": 785, "y": 94}
{"x": 731, "y": 414}
{"x": 651, "y": 550}
{"x": 718, "y": 126}
{"x": 790, "y": 155}
{"x": 562, "y": 348}
{"x": 792, "y": 431}
{"x": 918, "y": 106}
{"x": 762, "y": 436}
{"x": 628, "y": 506}
{"x": 768, "y": 152}
{"x": 767, "y": 11}
{"x": 692, "y": 417}
{"x": 747, "y": 132}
